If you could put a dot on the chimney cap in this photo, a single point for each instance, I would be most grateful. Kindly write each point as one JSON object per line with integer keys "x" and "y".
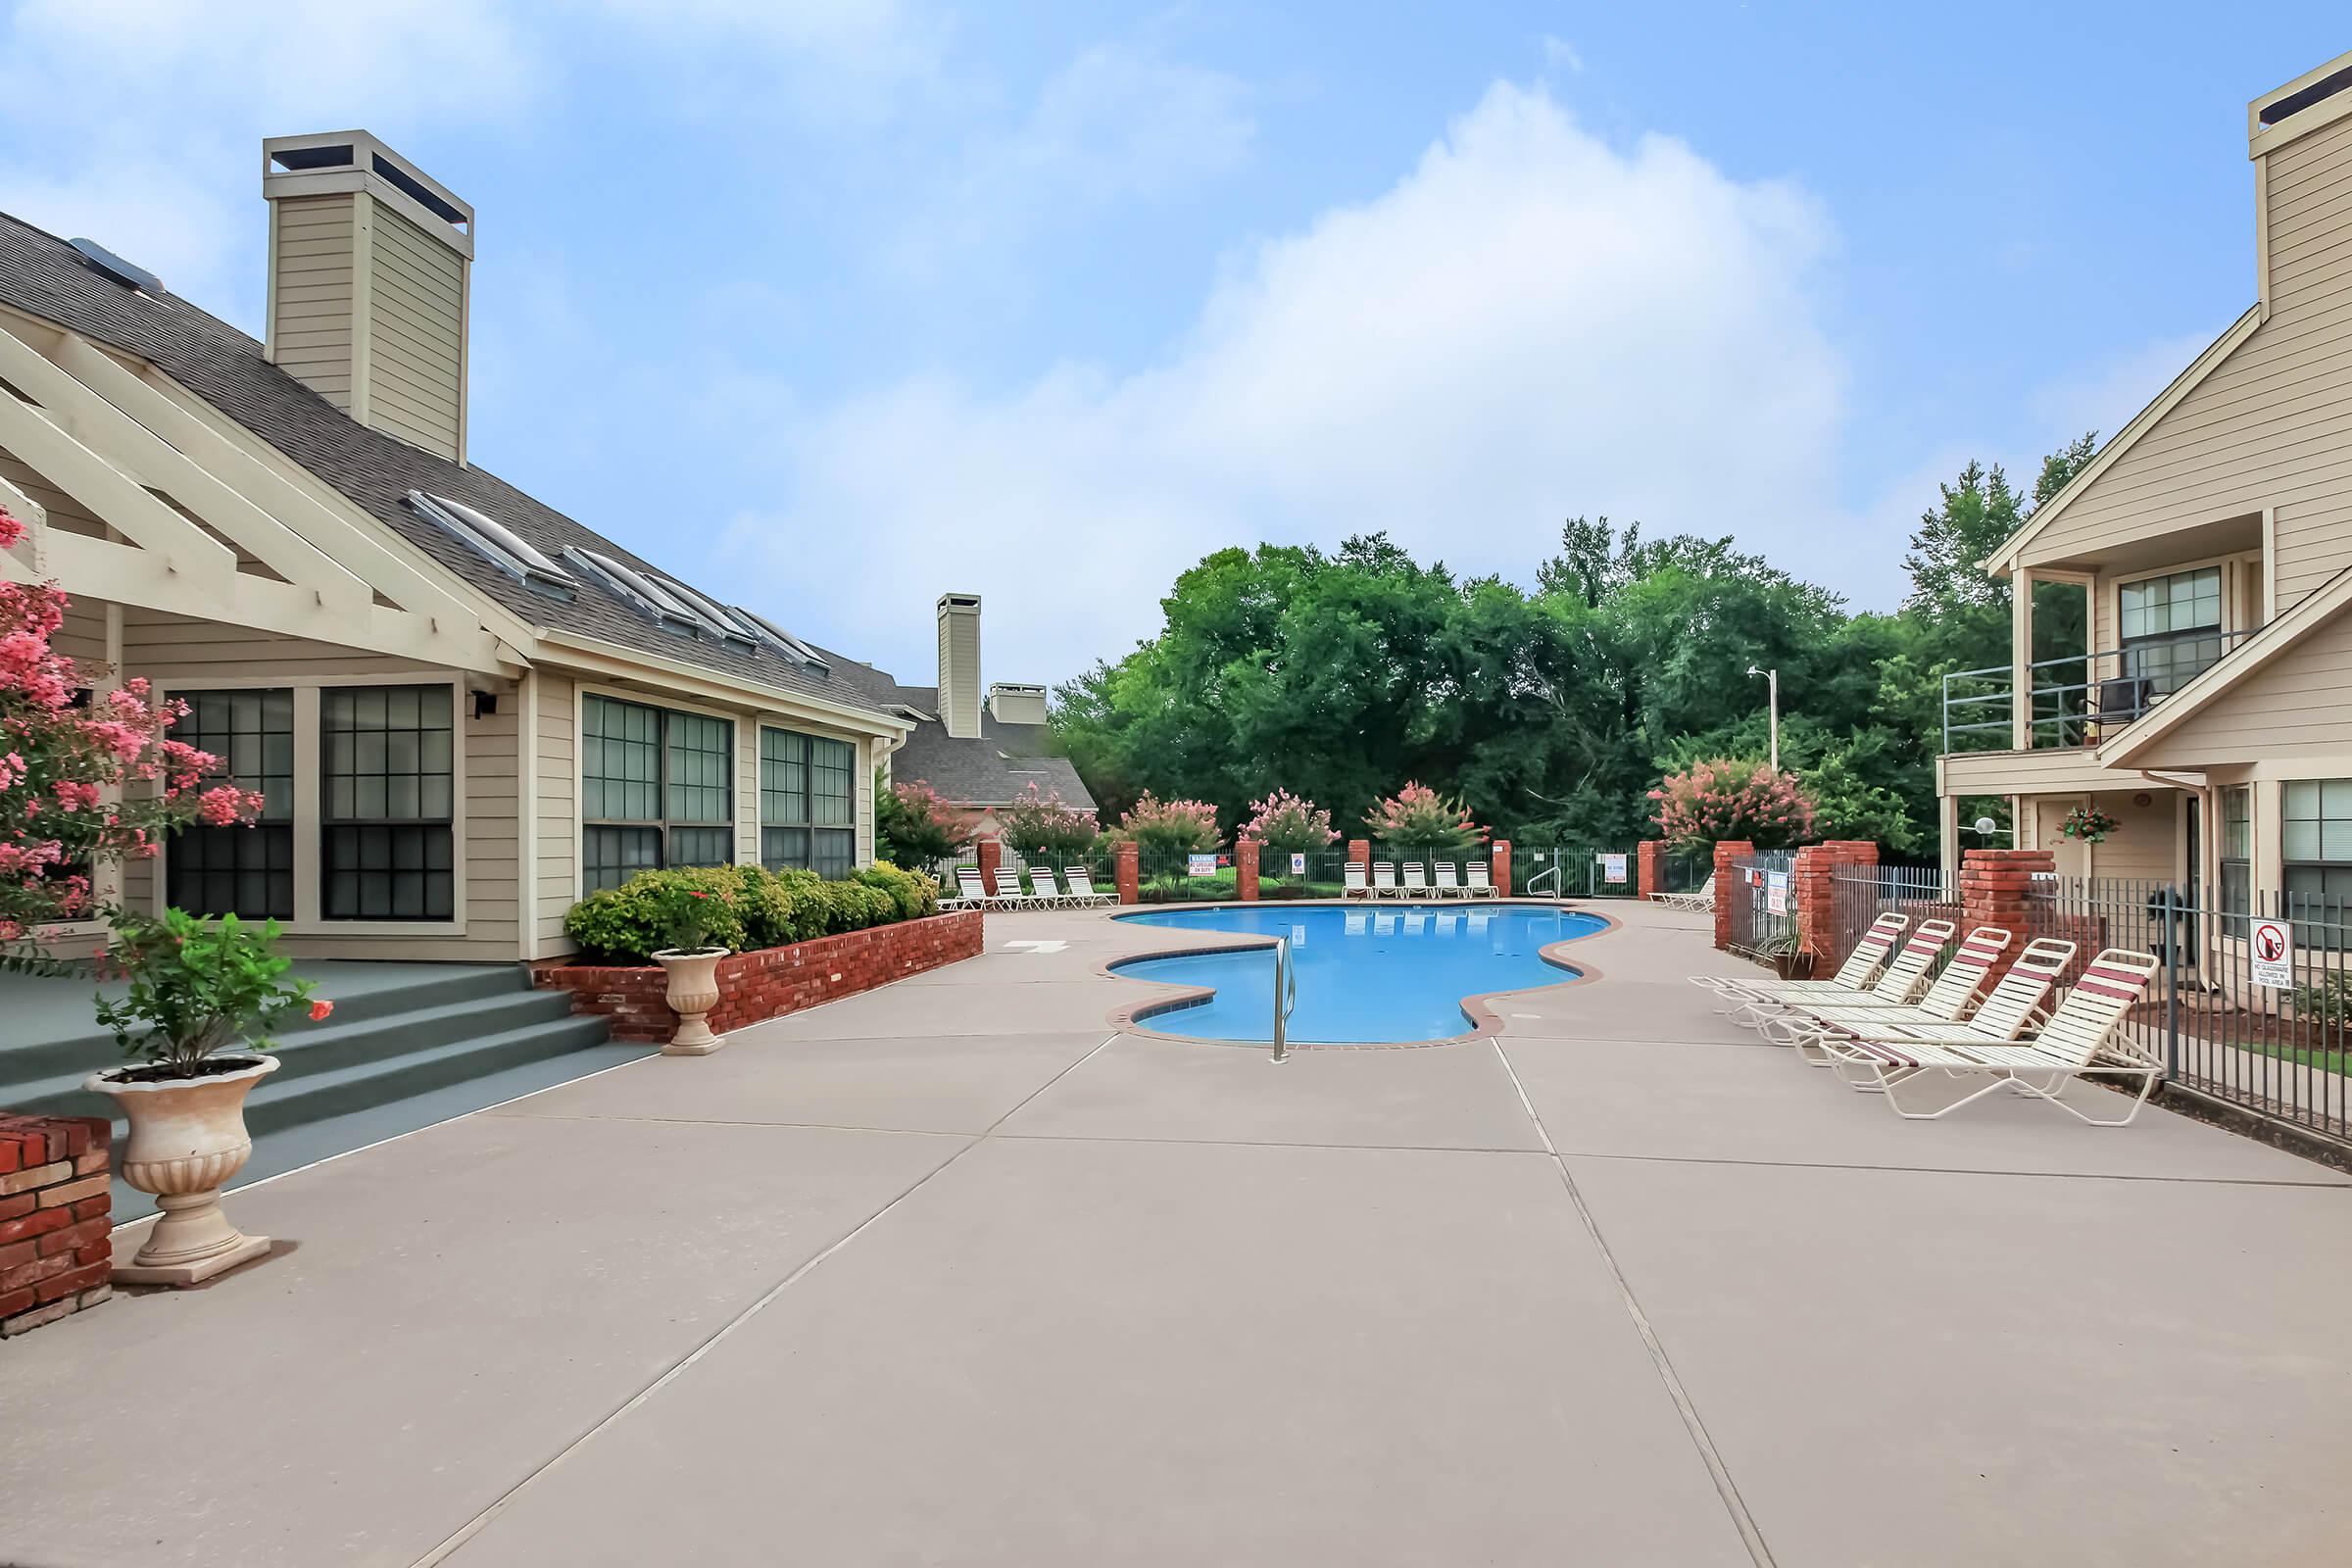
{"x": 959, "y": 601}
{"x": 329, "y": 160}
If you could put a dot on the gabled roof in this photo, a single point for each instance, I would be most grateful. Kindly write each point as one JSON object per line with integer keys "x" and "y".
{"x": 2232, "y": 669}
{"x": 992, "y": 768}
{"x": 43, "y": 276}
{"x": 2004, "y": 560}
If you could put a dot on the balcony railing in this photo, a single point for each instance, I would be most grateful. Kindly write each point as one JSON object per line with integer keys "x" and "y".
{"x": 2080, "y": 700}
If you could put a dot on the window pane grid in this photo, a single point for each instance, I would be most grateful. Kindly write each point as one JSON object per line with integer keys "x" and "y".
{"x": 808, "y": 802}
{"x": 657, "y": 788}
{"x": 388, "y": 797}
{"x": 240, "y": 870}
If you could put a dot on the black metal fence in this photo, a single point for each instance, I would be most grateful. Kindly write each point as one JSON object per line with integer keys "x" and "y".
{"x": 1585, "y": 871}
{"x": 2252, "y": 1008}
{"x": 1761, "y": 904}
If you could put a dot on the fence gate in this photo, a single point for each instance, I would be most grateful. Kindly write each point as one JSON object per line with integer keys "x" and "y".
{"x": 1762, "y": 904}
{"x": 1595, "y": 871}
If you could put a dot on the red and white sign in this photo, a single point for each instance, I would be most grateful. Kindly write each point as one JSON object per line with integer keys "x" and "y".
{"x": 2271, "y": 945}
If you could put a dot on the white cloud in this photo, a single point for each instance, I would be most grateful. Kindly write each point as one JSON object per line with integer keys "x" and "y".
{"x": 1528, "y": 324}
{"x": 2106, "y": 394}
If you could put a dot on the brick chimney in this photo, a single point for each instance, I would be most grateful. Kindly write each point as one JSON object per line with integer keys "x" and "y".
{"x": 959, "y": 664}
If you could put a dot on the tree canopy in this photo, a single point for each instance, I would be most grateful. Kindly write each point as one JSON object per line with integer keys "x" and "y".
{"x": 1552, "y": 711}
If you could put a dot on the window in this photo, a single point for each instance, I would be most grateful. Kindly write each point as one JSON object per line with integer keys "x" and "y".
{"x": 657, "y": 788}
{"x": 808, "y": 802}
{"x": 243, "y": 870}
{"x": 2315, "y": 833}
{"x": 2237, "y": 851}
{"x": 2161, "y": 617}
{"x": 386, "y": 800}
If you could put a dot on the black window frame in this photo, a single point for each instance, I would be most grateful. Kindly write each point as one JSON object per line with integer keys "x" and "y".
{"x": 199, "y": 860}
{"x": 807, "y": 827}
{"x": 2170, "y": 658}
{"x": 2236, "y": 858}
{"x": 2316, "y": 886}
{"x": 388, "y": 822}
{"x": 649, "y": 831}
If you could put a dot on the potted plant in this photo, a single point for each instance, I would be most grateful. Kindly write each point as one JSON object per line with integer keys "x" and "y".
{"x": 690, "y": 963}
{"x": 2090, "y": 824}
{"x": 196, "y": 986}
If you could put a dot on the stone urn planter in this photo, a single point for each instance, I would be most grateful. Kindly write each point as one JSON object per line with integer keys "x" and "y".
{"x": 187, "y": 1138}
{"x": 693, "y": 976}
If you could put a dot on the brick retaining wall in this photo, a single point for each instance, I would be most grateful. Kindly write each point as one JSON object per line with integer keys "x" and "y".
{"x": 56, "y": 1217}
{"x": 769, "y": 982}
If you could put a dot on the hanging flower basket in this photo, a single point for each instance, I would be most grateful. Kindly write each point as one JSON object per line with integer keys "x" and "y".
{"x": 2090, "y": 824}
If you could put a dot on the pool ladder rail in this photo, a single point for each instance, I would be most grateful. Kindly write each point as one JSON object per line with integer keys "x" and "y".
{"x": 1286, "y": 997}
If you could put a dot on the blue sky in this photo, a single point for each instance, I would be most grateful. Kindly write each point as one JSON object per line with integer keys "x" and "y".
{"x": 842, "y": 304}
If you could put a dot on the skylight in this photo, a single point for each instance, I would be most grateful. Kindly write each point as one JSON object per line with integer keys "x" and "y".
{"x": 782, "y": 641}
{"x": 723, "y": 621}
{"x": 668, "y": 612}
{"x": 494, "y": 543}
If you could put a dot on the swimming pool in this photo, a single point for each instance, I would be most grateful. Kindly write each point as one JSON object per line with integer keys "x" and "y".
{"x": 1393, "y": 974}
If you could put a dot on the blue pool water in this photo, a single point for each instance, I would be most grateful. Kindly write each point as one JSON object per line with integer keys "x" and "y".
{"x": 1388, "y": 973}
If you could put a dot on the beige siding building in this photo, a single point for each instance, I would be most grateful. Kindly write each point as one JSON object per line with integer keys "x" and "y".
{"x": 464, "y": 709}
{"x": 2212, "y": 538}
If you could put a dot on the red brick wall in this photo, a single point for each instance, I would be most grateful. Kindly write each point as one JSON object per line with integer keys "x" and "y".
{"x": 1244, "y": 869}
{"x": 56, "y": 1213}
{"x": 1649, "y": 860}
{"x": 770, "y": 982}
{"x": 992, "y": 864}
{"x": 1360, "y": 852}
{"x": 1813, "y": 880}
{"x": 1502, "y": 867}
{"x": 1127, "y": 868}
{"x": 1993, "y": 889}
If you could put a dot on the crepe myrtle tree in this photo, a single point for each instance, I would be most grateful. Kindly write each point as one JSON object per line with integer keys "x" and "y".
{"x": 1289, "y": 824}
{"x": 1418, "y": 823}
{"x": 918, "y": 828}
{"x": 1170, "y": 827}
{"x": 1731, "y": 797}
{"x": 1040, "y": 826}
{"x": 81, "y": 785}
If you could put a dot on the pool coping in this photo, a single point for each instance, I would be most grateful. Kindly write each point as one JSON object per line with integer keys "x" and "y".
{"x": 1486, "y": 1021}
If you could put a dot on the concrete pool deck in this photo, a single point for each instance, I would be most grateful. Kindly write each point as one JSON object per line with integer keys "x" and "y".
{"x": 952, "y": 1272}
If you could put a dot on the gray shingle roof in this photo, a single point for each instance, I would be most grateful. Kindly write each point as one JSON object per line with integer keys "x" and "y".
{"x": 991, "y": 770}
{"x": 41, "y": 276}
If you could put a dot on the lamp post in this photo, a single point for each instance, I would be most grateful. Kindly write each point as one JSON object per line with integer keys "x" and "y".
{"x": 1772, "y": 677}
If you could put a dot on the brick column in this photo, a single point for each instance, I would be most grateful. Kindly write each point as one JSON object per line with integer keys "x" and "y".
{"x": 1994, "y": 885}
{"x": 1813, "y": 884}
{"x": 1649, "y": 861}
{"x": 992, "y": 860}
{"x": 1502, "y": 867}
{"x": 1359, "y": 853}
{"x": 56, "y": 1255}
{"x": 1244, "y": 869}
{"x": 1127, "y": 869}
{"x": 1726, "y": 852}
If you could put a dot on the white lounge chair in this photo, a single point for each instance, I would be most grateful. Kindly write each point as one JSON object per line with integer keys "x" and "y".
{"x": 1482, "y": 882}
{"x": 975, "y": 891}
{"x": 1082, "y": 888}
{"x": 1947, "y": 1001}
{"x": 1851, "y": 983}
{"x": 1352, "y": 882}
{"x": 2081, "y": 1031}
{"x": 1384, "y": 879}
{"x": 1897, "y": 984}
{"x": 1010, "y": 894}
{"x": 1702, "y": 901}
{"x": 1416, "y": 880}
{"x": 1449, "y": 880}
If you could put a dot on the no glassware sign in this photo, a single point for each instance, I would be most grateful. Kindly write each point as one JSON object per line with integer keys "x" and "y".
{"x": 2270, "y": 944}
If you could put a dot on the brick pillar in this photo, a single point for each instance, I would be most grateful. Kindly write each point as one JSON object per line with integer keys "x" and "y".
{"x": 992, "y": 860}
{"x": 1502, "y": 867}
{"x": 56, "y": 1255}
{"x": 1649, "y": 860}
{"x": 1127, "y": 869}
{"x": 1813, "y": 884}
{"x": 1244, "y": 869}
{"x": 1726, "y": 852}
{"x": 1359, "y": 853}
{"x": 1993, "y": 889}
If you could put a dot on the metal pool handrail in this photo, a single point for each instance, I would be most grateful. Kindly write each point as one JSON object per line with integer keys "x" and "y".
{"x": 1551, "y": 873}
{"x": 1286, "y": 997}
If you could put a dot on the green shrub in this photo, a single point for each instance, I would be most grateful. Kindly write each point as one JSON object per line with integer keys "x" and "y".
{"x": 914, "y": 893}
{"x": 630, "y": 923}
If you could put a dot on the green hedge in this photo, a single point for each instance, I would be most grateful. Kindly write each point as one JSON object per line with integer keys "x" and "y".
{"x": 758, "y": 909}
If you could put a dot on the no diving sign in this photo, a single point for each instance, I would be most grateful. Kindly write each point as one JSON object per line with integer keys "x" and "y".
{"x": 2270, "y": 944}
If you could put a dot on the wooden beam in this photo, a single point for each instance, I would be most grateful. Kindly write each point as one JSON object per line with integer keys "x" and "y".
{"x": 117, "y": 500}
{"x": 118, "y": 436}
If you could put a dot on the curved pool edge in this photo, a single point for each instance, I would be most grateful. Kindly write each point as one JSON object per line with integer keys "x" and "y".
{"x": 1486, "y": 1023}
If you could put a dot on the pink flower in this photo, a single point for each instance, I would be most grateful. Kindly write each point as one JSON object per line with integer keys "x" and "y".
{"x": 319, "y": 1010}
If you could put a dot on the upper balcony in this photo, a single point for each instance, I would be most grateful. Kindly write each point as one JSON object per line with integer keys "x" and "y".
{"x": 2077, "y": 702}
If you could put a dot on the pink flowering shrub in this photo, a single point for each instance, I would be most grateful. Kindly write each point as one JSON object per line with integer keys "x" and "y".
{"x": 1286, "y": 823}
{"x": 59, "y": 761}
{"x": 1171, "y": 826}
{"x": 1733, "y": 798}
{"x": 917, "y": 828}
{"x": 1417, "y": 823}
{"x": 1040, "y": 826}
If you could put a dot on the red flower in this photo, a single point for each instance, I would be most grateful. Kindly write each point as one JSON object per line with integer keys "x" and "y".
{"x": 319, "y": 1009}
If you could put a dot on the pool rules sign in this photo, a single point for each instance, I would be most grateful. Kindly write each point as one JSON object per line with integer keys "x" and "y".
{"x": 2270, "y": 944}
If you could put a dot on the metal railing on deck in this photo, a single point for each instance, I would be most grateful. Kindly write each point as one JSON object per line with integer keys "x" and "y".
{"x": 2105, "y": 692}
{"x": 1286, "y": 997}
